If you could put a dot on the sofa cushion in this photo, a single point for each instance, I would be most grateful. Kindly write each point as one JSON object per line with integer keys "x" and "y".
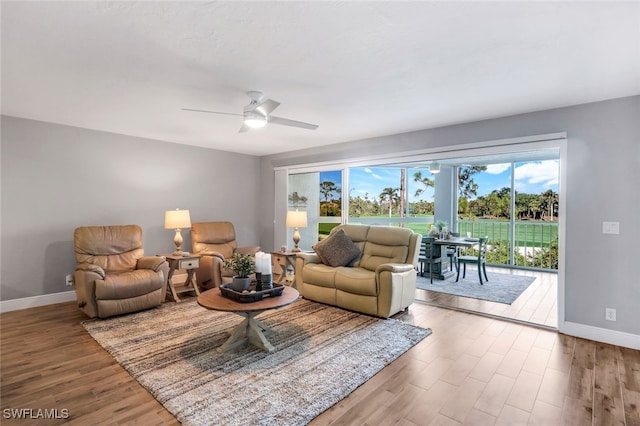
{"x": 129, "y": 284}
{"x": 320, "y": 275}
{"x": 337, "y": 249}
{"x": 356, "y": 281}
{"x": 377, "y": 254}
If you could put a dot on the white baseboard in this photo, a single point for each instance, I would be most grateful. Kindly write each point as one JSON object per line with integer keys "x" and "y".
{"x": 32, "y": 302}
{"x": 613, "y": 337}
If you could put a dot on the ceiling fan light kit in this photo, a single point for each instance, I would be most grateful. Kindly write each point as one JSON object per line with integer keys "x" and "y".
{"x": 258, "y": 113}
{"x": 254, "y": 120}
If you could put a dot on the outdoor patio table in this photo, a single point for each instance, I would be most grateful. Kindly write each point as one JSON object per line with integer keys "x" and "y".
{"x": 444, "y": 273}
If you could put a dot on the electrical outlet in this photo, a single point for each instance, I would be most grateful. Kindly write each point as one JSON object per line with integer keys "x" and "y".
{"x": 610, "y": 227}
{"x": 68, "y": 280}
{"x": 609, "y": 314}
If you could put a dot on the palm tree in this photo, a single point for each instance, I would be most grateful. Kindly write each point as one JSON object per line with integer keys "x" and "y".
{"x": 389, "y": 194}
{"x": 428, "y": 183}
{"x": 548, "y": 200}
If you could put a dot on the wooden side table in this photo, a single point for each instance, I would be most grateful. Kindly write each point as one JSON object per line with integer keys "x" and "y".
{"x": 188, "y": 263}
{"x": 284, "y": 259}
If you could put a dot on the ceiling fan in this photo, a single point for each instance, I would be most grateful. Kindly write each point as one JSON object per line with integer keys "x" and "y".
{"x": 258, "y": 113}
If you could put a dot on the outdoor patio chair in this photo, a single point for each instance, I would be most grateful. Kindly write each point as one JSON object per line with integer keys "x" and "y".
{"x": 453, "y": 253}
{"x": 480, "y": 260}
{"x": 427, "y": 249}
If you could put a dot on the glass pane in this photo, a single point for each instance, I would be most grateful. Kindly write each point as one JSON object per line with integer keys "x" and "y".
{"x": 537, "y": 201}
{"x": 303, "y": 194}
{"x": 320, "y": 195}
{"x": 485, "y": 205}
{"x": 330, "y": 194}
{"x": 376, "y": 195}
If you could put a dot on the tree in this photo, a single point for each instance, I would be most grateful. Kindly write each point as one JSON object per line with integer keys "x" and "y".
{"x": 327, "y": 189}
{"x": 428, "y": 183}
{"x": 467, "y": 188}
{"x": 549, "y": 200}
{"x": 389, "y": 194}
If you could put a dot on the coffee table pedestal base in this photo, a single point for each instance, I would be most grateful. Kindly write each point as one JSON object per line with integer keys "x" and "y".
{"x": 249, "y": 329}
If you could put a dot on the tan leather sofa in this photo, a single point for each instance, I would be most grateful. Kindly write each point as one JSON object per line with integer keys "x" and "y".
{"x": 215, "y": 242}
{"x": 381, "y": 281}
{"x": 113, "y": 276}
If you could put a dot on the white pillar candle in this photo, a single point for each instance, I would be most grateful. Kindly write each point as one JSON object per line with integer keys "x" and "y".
{"x": 258, "y": 261}
{"x": 267, "y": 265}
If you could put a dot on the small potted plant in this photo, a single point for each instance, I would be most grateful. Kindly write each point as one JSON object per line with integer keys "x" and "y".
{"x": 243, "y": 265}
{"x": 439, "y": 229}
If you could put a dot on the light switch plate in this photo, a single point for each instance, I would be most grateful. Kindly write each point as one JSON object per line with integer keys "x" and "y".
{"x": 610, "y": 227}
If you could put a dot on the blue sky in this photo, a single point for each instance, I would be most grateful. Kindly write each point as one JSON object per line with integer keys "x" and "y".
{"x": 533, "y": 178}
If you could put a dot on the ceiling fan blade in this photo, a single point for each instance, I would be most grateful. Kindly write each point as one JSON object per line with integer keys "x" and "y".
{"x": 244, "y": 128}
{"x": 211, "y": 112}
{"x": 267, "y": 107}
{"x": 292, "y": 123}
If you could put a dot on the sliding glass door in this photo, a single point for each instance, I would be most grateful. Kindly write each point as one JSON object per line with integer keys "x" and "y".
{"x": 516, "y": 205}
{"x": 320, "y": 195}
{"x": 514, "y": 202}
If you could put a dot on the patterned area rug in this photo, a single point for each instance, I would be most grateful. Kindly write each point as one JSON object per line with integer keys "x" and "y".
{"x": 322, "y": 354}
{"x": 501, "y": 288}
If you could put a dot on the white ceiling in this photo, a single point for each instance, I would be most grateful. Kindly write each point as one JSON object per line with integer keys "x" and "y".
{"x": 357, "y": 69}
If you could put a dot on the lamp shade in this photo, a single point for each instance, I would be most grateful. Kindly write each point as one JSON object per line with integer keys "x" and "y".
{"x": 296, "y": 219}
{"x": 434, "y": 167}
{"x": 176, "y": 219}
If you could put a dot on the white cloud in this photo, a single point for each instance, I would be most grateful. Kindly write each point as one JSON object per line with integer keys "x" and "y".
{"x": 496, "y": 169}
{"x": 541, "y": 174}
{"x": 373, "y": 175}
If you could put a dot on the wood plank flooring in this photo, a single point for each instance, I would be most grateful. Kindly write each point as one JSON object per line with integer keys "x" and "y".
{"x": 472, "y": 370}
{"x": 536, "y": 305}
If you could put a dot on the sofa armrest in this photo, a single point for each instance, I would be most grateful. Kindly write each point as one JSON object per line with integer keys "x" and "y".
{"x": 84, "y": 282}
{"x": 211, "y": 254}
{"x": 394, "y": 267}
{"x": 396, "y": 287}
{"x": 90, "y": 267}
{"x": 303, "y": 259}
{"x": 252, "y": 250}
{"x": 151, "y": 262}
{"x": 306, "y": 258}
{"x": 209, "y": 273}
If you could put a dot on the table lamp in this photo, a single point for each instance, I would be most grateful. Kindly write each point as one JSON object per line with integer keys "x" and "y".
{"x": 296, "y": 219}
{"x": 176, "y": 219}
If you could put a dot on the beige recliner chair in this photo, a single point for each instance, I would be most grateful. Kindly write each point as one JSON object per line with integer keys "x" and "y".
{"x": 215, "y": 242}
{"x": 112, "y": 275}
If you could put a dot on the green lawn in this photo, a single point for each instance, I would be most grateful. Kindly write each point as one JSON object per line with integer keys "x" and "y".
{"x": 528, "y": 233}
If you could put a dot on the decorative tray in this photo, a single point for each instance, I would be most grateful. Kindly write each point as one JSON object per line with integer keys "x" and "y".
{"x": 251, "y": 295}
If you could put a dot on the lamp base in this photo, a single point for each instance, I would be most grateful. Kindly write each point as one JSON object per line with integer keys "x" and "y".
{"x": 296, "y": 240}
{"x": 177, "y": 240}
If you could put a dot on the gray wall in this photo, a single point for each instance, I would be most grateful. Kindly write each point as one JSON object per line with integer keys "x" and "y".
{"x": 603, "y": 181}
{"x": 56, "y": 178}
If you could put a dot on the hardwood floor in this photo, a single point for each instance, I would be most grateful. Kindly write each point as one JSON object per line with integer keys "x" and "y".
{"x": 472, "y": 370}
{"x": 536, "y": 305}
